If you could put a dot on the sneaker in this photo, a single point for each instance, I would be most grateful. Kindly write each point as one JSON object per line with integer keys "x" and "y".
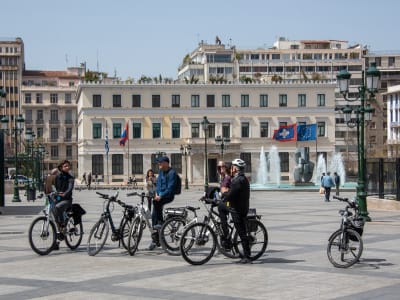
{"x": 56, "y": 246}
{"x": 152, "y": 246}
{"x": 244, "y": 260}
{"x": 157, "y": 227}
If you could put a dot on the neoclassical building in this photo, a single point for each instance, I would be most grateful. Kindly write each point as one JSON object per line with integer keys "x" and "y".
{"x": 162, "y": 117}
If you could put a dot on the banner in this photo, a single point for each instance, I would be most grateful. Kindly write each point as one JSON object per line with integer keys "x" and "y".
{"x": 286, "y": 133}
{"x": 307, "y": 132}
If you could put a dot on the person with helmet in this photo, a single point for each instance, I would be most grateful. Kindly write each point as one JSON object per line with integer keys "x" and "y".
{"x": 237, "y": 199}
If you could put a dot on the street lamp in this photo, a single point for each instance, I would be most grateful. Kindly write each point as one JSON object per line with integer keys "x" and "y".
{"x": 16, "y": 131}
{"x": 362, "y": 115}
{"x": 2, "y": 187}
{"x": 205, "y": 124}
{"x": 185, "y": 151}
{"x": 222, "y": 143}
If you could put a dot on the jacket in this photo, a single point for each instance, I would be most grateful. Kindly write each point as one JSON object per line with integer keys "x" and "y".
{"x": 327, "y": 181}
{"x": 166, "y": 183}
{"x": 239, "y": 194}
{"x": 64, "y": 183}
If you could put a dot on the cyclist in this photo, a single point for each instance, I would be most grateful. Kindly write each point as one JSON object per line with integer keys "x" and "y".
{"x": 64, "y": 184}
{"x": 237, "y": 199}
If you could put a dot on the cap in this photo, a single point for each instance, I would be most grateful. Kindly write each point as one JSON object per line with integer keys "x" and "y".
{"x": 163, "y": 158}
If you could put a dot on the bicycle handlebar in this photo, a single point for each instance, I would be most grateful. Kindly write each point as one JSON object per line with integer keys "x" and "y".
{"x": 341, "y": 199}
{"x": 137, "y": 194}
{"x": 350, "y": 203}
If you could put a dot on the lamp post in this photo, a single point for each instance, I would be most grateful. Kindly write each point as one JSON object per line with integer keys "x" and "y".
{"x": 16, "y": 131}
{"x": 2, "y": 187}
{"x": 42, "y": 152}
{"x": 362, "y": 115}
{"x": 185, "y": 151}
{"x": 205, "y": 124}
{"x": 222, "y": 143}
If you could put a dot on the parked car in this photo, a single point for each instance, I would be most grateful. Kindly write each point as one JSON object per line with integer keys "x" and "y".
{"x": 23, "y": 180}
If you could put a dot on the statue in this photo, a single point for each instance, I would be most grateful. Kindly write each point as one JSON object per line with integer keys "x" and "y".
{"x": 303, "y": 172}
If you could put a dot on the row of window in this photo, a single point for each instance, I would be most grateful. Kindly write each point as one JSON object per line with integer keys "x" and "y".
{"x": 54, "y": 152}
{"x": 97, "y": 130}
{"x": 53, "y": 98}
{"x": 300, "y": 56}
{"x": 54, "y": 115}
{"x": 210, "y": 100}
{"x": 54, "y": 133}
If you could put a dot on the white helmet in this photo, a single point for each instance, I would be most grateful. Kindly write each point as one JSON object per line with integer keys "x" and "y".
{"x": 238, "y": 162}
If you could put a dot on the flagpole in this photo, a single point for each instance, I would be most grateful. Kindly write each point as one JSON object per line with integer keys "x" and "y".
{"x": 107, "y": 150}
{"x": 127, "y": 134}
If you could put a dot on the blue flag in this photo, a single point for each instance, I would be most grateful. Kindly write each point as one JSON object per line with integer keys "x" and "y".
{"x": 286, "y": 133}
{"x": 106, "y": 145}
{"x": 307, "y": 132}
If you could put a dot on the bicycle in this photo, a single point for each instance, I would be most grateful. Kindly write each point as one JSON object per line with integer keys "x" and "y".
{"x": 176, "y": 222}
{"x": 200, "y": 240}
{"x": 141, "y": 220}
{"x": 99, "y": 232}
{"x": 345, "y": 245}
{"x": 44, "y": 232}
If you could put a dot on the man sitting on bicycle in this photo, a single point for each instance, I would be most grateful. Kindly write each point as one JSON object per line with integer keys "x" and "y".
{"x": 64, "y": 184}
{"x": 237, "y": 200}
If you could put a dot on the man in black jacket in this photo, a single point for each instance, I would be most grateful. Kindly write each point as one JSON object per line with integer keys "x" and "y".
{"x": 64, "y": 184}
{"x": 237, "y": 199}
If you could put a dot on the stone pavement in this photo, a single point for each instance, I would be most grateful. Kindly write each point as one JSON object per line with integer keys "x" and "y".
{"x": 295, "y": 265}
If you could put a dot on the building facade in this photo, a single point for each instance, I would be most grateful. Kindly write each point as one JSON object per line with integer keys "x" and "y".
{"x": 393, "y": 120}
{"x": 162, "y": 117}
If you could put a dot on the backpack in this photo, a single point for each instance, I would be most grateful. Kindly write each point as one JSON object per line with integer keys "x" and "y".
{"x": 178, "y": 186}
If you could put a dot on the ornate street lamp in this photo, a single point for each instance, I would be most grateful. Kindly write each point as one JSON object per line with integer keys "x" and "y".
{"x": 2, "y": 104}
{"x": 185, "y": 151}
{"x": 362, "y": 115}
{"x": 16, "y": 131}
{"x": 205, "y": 124}
{"x": 222, "y": 143}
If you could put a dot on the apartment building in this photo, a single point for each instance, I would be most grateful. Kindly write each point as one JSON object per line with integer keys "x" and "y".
{"x": 393, "y": 120}
{"x": 49, "y": 107}
{"x": 162, "y": 117}
{"x": 11, "y": 67}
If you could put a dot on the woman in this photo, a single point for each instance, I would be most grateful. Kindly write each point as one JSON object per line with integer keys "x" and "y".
{"x": 150, "y": 185}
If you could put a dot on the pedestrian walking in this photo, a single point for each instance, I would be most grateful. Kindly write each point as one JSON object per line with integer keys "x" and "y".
{"x": 336, "y": 179}
{"x": 89, "y": 180}
{"x": 327, "y": 183}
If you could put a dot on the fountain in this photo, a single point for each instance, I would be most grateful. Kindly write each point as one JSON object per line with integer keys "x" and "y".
{"x": 269, "y": 170}
{"x": 337, "y": 166}
{"x": 321, "y": 168}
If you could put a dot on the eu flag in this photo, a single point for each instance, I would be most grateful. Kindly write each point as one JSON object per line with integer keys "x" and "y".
{"x": 124, "y": 136}
{"x": 286, "y": 133}
{"x": 307, "y": 132}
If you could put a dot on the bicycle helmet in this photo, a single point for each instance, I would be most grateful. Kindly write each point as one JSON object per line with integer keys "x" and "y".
{"x": 239, "y": 163}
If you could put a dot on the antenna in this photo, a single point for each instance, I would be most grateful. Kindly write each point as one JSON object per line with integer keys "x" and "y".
{"x": 97, "y": 56}
{"x": 66, "y": 59}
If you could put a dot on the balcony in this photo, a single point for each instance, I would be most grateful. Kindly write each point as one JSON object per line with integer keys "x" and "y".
{"x": 69, "y": 122}
{"x": 41, "y": 121}
{"x": 54, "y": 122}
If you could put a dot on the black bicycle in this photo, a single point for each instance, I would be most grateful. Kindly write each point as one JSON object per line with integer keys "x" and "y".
{"x": 200, "y": 240}
{"x": 45, "y": 231}
{"x": 99, "y": 232}
{"x": 345, "y": 245}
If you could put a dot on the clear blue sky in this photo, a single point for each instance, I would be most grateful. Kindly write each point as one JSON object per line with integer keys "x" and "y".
{"x": 151, "y": 37}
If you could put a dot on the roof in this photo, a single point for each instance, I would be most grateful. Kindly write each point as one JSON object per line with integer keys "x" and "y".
{"x": 50, "y": 74}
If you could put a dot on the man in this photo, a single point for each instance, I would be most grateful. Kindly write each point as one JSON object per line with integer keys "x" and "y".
{"x": 165, "y": 193}
{"x": 238, "y": 198}
{"x": 336, "y": 179}
{"x": 327, "y": 183}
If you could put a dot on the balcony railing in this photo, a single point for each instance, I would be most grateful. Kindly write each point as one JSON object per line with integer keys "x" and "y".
{"x": 40, "y": 121}
{"x": 54, "y": 122}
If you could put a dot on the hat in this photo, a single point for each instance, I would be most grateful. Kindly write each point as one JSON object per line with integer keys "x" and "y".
{"x": 163, "y": 158}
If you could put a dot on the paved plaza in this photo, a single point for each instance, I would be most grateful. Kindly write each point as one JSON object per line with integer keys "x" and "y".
{"x": 295, "y": 265}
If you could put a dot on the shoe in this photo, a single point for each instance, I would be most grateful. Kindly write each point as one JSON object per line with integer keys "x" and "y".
{"x": 244, "y": 260}
{"x": 60, "y": 236}
{"x": 227, "y": 245}
{"x": 56, "y": 247}
{"x": 152, "y": 246}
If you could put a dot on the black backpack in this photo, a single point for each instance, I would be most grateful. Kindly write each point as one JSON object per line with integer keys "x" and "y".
{"x": 178, "y": 187}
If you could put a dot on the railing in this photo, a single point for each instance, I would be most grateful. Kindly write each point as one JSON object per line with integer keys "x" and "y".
{"x": 54, "y": 122}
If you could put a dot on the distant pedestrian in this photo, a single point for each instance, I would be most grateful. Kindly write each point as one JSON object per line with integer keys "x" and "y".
{"x": 336, "y": 179}
{"x": 96, "y": 180}
{"x": 89, "y": 180}
{"x": 327, "y": 183}
{"x": 84, "y": 179}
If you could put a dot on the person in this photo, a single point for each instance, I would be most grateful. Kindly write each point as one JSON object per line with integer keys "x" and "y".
{"x": 50, "y": 182}
{"x": 322, "y": 177}
{"x": 96, "y": 180}
{"x": 89, "y": 180}
{"x": 224, "y": 171}
{"x": 165, "y": 193}
{"x": 238, "y": 198}
{"x": 336, "y": 179}
{"x": 150, "y": 186}
{"x": 130, "y": 181}
{"x": 84, "y": 178}
{"x": 327, "y": 183}
{"x": 134, "y": 181}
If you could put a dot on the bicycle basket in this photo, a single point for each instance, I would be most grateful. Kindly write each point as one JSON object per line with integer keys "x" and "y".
{"x": 175, "y": 212}
{"x": 357, "y": 225}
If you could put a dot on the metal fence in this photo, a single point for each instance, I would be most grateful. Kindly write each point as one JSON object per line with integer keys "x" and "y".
{"x": 382, "y": 177}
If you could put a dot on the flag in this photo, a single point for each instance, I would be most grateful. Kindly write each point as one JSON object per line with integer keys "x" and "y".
{"x": 124, "y": 135}
{"x": 286, "y": 133}
{"x": 106, "y": 145}
{"x": 307, "y": 132}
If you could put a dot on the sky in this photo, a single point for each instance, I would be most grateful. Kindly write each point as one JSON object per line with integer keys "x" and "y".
{"x": 131, "y": 38}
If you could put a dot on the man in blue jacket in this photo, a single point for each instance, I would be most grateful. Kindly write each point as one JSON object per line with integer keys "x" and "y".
{"x": 327, "y": 183}
{"x": 165, "y": 193}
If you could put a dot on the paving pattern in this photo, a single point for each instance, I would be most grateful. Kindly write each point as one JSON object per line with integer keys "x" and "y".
{"x": 295, "y": 265}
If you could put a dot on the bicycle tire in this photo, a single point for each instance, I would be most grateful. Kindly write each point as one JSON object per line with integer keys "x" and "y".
{"x": 98, "y": 236}
{"x": 42, "y": 237}
{"x": 125, "y": 228}
{"x": 170, "y": 234}
{"x": 73, "y": 233}
{"x": 258, "y": 240}
{"x": 344, "y": 256}
{"x": 195, "y": 244}
{"x": 135, "y": 235}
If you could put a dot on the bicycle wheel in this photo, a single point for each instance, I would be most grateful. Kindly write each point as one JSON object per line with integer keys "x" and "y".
{"x": 42, "y": 235}
{"x": 73, "y": 233}
{"x": 258, "y": 239}
{"x": 170, "y": 234}
{"x": 125, "y": 228}
{"x": 344, "y": 250}
{"x": 198, "y": 244}
{"x": 135, "y": 235}
{"x": 98, "y": 236}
